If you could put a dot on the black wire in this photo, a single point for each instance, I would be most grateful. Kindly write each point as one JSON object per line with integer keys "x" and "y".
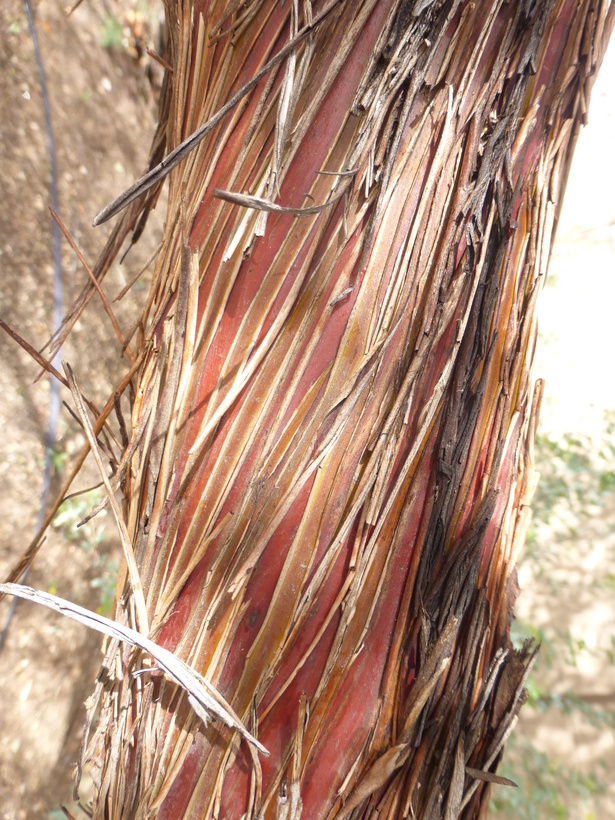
{"x": 58, "y": 300}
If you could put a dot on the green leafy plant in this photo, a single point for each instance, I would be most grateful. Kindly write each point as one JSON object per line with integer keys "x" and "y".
{"x": 58, "y": 458}
{"x": 90, "y": 537}
{"x": 91, "y": 534}
{"x": 105, "y": 584}
{"x": 546, "y": 789}
{"x": 576, "y": 478}
{"x": 111, "y": 33}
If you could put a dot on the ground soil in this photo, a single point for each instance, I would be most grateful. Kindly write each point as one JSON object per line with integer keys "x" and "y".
{"x": 103, "y": 108}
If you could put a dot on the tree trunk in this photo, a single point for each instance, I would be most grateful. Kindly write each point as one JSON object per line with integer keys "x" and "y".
{"x": 330, "y": 469}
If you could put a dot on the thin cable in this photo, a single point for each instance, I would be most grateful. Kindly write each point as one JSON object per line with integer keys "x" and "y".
{"x": 58, "y": 304}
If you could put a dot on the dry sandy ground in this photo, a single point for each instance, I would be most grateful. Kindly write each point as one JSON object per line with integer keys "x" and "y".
{"x": 575, "y": 593}
{"x": 103, "y": 115}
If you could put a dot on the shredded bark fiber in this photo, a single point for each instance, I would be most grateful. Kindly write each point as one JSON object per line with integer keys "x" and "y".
{"x": 327, "y": 498}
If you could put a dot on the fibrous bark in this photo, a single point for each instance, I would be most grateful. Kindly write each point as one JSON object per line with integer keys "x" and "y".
{"x": 333, "y": 416}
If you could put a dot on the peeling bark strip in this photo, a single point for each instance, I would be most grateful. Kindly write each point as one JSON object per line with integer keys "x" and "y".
{"x": 206, "y": 702}
{"x": 330, "y": 491}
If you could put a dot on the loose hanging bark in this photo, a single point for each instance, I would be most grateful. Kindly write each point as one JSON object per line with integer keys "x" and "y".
{"x": 332, "y": 485}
